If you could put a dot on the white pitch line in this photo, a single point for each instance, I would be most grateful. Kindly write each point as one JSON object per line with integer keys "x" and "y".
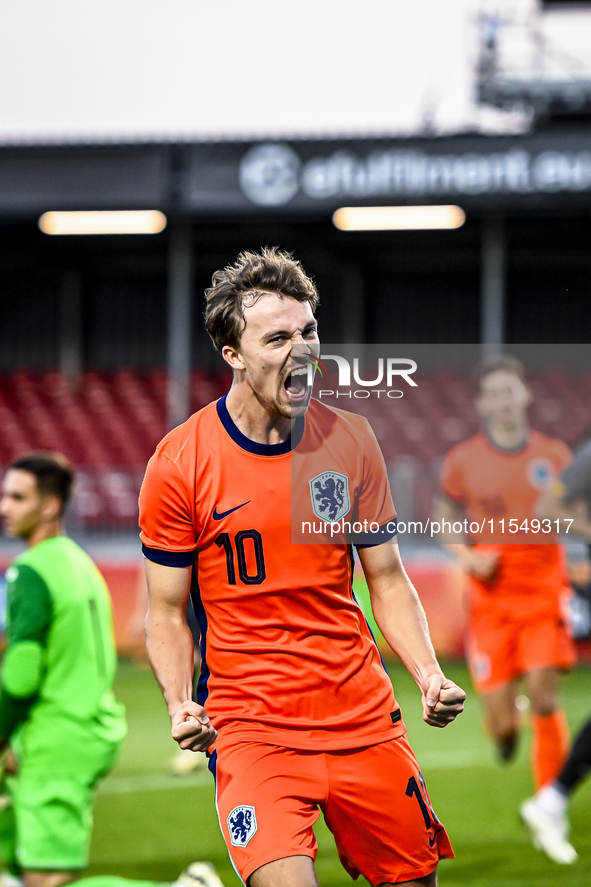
{"x": 151, "y": 782}
{"x": 454, "y": 760}
{"x": 158, "y": 782}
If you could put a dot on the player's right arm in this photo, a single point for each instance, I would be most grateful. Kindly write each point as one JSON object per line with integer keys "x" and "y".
{"x": 168, "y": 538}
{"x": 477, "y": 563}
{"x": 170, "y": 650}
{"x": 401, "y": 619}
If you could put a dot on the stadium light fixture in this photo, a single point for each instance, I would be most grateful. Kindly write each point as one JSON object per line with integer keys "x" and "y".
{"x": 144, "y": 221}
{"x": 398, "y": 218}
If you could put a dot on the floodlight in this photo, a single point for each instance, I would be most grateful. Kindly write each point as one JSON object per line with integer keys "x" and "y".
{"x": 398, "y": 218}
{"x": 144, "y": 221}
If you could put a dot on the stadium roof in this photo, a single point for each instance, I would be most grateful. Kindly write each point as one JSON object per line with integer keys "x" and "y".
{"x": 177, "y": 70}
{"x": 542, "y": 171}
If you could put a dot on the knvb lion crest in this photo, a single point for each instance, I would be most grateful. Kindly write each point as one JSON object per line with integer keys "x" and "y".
{"x": 330, "y": 496}
{"x": 242, "y": 824}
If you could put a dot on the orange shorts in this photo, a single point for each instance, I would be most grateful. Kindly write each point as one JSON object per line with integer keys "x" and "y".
{"x": 374, "y": 801}
{"x": 503, "y": 646}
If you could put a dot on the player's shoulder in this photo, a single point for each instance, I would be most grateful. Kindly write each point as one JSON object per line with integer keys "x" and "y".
{"x": 44, "y": 557}
{"x": 185, "y": 437}
{"x": 26, "y": 580}
{"x": 550, "y": 446}
{"x": 329, "y": 417}
{"x": 19, "y": 568}
{"x": 38, "y": 562}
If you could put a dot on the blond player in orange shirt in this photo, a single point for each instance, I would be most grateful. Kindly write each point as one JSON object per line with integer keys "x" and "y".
{"x": 294, "y": 706}
{"x": 518, "y": 588}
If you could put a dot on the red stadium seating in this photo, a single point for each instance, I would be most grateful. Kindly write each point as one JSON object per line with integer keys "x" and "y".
{"x": 110, "y": 423}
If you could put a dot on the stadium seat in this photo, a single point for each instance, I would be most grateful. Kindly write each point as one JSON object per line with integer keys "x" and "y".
{"x": 108, "y": 424}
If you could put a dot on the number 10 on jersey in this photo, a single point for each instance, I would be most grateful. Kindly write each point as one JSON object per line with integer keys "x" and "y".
{"x": 224, "y": 541}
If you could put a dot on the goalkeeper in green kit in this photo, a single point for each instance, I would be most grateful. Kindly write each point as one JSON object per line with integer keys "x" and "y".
{"x": 57, "y": 707}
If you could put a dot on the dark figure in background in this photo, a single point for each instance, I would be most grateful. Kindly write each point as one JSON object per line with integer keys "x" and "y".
{"x": 546, "y": 813}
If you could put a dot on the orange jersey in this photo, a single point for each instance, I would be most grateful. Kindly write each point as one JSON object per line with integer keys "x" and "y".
{"x": 493, "y": 486}
{"x": 287, "y": 656}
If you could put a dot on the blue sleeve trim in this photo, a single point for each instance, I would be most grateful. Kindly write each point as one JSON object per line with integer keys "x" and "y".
{"x": 169, "y": 558}
{"x": 369, "y": 540}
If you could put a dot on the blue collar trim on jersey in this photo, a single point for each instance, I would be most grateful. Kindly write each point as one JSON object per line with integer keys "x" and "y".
{"x": 508, "y": 451}
{"x": 252, "y": 446}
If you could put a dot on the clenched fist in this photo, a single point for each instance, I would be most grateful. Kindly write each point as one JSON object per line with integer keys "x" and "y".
{"x": 191, "y": 727}
{"x": 443, "y": 701}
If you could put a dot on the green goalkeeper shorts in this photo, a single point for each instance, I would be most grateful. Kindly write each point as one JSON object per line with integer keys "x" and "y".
{"x": 53, "y": 814}
{"x": 53, "y": 820}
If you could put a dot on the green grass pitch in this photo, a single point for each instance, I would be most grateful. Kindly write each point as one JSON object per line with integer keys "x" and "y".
{"x": 150, "y": 825}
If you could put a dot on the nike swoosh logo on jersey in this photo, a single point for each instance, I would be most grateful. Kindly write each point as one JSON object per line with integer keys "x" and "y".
{"x": 434, "y": 838}
{"x": 217, "y": 516}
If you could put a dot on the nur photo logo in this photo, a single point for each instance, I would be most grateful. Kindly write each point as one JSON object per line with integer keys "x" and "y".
{"x": 360, "y": 377}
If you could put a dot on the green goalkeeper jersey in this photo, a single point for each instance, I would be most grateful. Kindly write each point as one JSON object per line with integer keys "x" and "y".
{"x": 56, "y": 701}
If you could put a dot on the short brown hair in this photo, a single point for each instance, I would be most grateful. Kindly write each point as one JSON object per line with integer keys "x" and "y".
{"x": 247, "y": 280}
{"x": 492, "y": 365}
{"x": 53, "y": 473}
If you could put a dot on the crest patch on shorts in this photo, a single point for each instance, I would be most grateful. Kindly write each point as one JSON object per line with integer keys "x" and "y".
{"x": 242, "y": 824}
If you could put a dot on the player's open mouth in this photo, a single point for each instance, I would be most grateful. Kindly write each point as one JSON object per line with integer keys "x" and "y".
{"x": 296, "y": 384}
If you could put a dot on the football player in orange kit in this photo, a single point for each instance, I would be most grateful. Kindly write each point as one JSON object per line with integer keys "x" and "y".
{"x": 517, "y": 584}
{"x": 301, "y": 715}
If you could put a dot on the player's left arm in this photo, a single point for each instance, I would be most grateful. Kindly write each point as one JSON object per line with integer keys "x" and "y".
{"x": 401, "y": 619}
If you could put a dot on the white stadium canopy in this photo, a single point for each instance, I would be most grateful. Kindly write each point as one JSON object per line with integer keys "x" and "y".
{"x": 87, "y": 71}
